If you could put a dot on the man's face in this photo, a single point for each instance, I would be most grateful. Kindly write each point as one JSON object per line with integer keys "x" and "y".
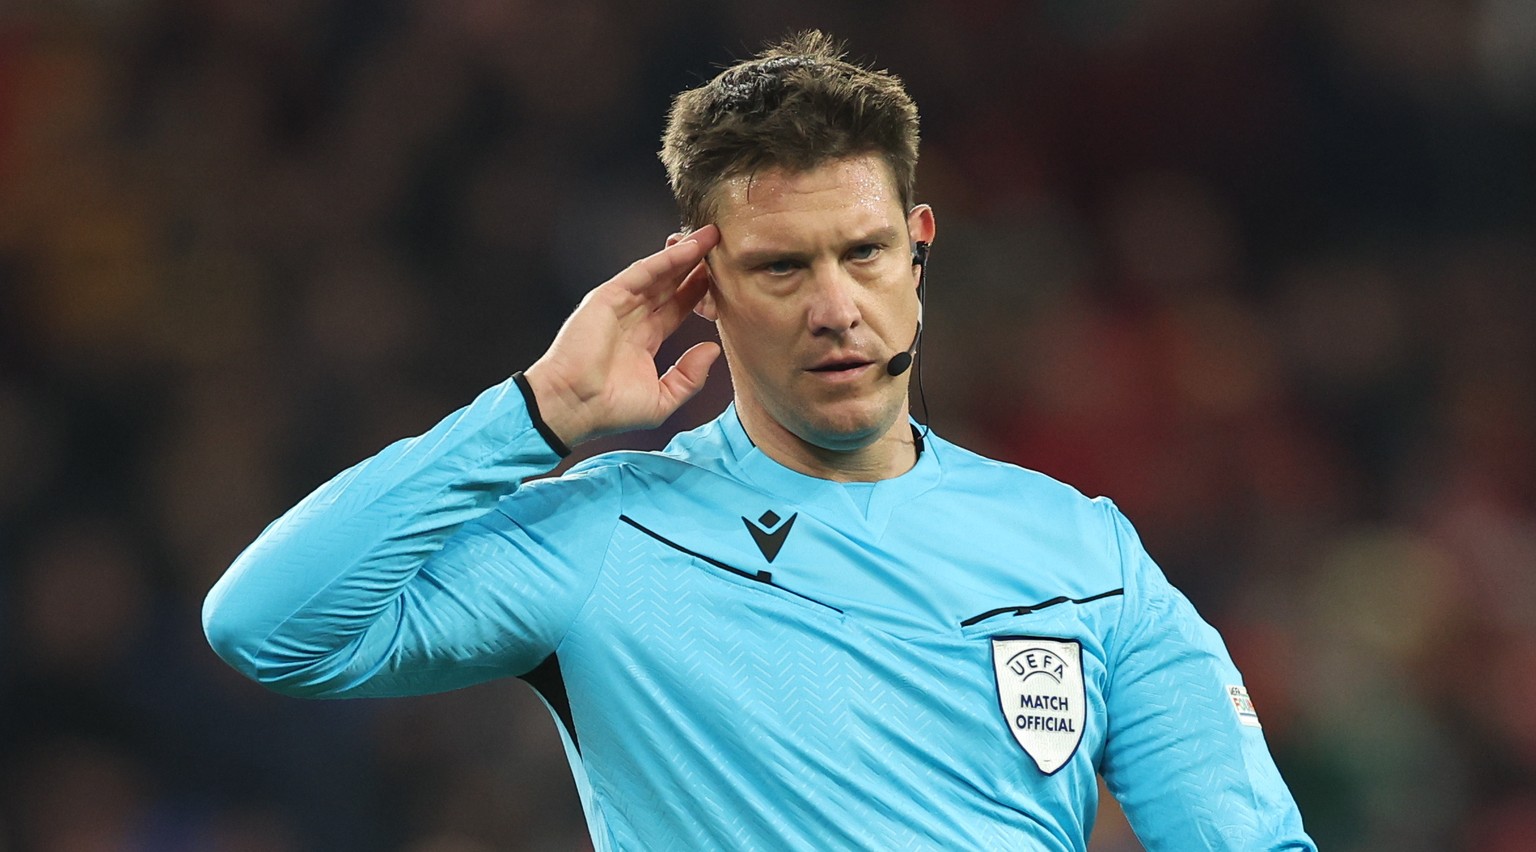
{"x": 814, "y": 290}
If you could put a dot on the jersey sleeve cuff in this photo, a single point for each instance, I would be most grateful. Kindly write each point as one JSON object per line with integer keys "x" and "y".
{"x": 545, "y": 432}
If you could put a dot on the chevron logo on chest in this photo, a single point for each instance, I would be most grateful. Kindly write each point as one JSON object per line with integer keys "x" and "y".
{"x": 770, "y": 531}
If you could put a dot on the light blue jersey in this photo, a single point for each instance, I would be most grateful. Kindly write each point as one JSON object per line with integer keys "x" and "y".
{"x": 740, "y": 656}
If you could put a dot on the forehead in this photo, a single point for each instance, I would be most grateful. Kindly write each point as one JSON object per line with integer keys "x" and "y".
{"x": 841, "y": 197}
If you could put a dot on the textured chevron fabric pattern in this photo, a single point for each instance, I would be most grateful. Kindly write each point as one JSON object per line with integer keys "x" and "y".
{"x": 751, "y": 658}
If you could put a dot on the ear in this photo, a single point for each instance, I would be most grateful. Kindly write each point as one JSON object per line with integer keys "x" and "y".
{"x": 920, "y": 229}
{"x": 920, "y": 225}
{"x": 706, "y": 306}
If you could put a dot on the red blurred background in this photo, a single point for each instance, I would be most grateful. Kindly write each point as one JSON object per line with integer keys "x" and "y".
{"x": 1261, "y": 271}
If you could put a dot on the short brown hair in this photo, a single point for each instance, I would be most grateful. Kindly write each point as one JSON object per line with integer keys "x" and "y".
{"x": 796, "y": 105}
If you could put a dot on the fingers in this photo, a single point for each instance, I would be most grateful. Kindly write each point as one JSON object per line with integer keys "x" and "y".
{"x": 687, "y": 376}
{"x": 655, "y": 277}
{"x": 676, "y": 309}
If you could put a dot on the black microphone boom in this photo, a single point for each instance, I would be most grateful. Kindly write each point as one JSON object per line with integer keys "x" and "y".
{"x": 902, "y": 361}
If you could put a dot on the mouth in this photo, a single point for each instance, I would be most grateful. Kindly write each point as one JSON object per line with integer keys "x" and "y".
{"x": 840, "y": 364}
{"x": 840, "y": 367}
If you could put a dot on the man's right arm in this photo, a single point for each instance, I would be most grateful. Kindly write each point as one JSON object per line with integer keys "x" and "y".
{"x": 399, "y": 576}
{"x": 395, "y": 577}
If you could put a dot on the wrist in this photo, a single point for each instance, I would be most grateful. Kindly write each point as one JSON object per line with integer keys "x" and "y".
{"x": 547, "y": 410}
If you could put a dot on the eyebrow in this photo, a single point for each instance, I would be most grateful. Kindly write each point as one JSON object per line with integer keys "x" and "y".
{"x": 758, "y": 256}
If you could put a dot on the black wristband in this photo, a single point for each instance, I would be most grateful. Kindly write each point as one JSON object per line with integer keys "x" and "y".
{"x": 545, "y": 432}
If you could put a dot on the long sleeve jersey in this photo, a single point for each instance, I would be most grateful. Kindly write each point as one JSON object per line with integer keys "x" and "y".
{"x": 740, "y": 656}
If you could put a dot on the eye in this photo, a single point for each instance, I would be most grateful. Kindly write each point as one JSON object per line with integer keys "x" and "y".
{"x": 867, "y": 251}
{"x": 779, "y": 267}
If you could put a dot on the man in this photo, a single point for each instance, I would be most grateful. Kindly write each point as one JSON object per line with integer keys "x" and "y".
{"x": 807, "y": 624}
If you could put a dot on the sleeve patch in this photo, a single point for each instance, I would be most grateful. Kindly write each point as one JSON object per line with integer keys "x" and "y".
{"x": 1243, "y": 705}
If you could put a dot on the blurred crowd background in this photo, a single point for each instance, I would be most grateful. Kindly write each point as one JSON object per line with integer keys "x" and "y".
{"x": 1261, "y": 271}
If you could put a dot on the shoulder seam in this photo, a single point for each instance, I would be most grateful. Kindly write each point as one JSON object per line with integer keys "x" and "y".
{"x": 1107, "y": 511}
{"x": 602, "y": 560}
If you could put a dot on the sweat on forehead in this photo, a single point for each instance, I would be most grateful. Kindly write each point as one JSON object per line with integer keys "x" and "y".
{"x": 867, "y": 176}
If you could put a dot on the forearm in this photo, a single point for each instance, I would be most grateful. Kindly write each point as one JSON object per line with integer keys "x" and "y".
{"x": 337, "y": 563}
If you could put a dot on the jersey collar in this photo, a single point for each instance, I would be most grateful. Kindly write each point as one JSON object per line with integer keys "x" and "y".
{"x": 826, "y": 496}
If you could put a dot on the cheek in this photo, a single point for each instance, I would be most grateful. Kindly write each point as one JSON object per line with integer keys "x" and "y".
{"x": 761, "y": 341}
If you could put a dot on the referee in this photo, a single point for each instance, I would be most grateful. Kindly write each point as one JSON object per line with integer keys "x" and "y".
{"x": 810, "y": 623}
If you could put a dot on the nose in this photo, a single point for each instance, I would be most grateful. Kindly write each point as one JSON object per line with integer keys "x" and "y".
{"x": 833, "y": 308}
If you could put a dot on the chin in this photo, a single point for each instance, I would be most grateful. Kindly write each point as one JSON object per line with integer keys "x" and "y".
{"x": 841, "y": 442}
{"x": 847, "y": 431}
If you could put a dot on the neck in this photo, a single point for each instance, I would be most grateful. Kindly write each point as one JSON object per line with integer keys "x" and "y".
{"x": 890, "y": 454}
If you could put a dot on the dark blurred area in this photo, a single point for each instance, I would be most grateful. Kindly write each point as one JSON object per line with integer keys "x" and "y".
{"x": 1261, "y": 271}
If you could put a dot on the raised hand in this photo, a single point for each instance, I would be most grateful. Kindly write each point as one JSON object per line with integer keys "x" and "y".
{"x": 599, "y": 376}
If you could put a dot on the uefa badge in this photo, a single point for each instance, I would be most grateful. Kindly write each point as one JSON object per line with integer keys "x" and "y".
{"x": 1040, "y": 689}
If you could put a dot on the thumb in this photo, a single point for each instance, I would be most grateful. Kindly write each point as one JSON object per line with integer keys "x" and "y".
{"x": 687, "y": 376}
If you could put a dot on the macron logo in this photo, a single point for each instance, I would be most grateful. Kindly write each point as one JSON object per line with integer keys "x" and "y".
{"x": 771, "y": 535}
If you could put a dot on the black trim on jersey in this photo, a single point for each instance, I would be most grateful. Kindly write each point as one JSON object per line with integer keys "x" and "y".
{"x": 764, "y": 577}
{"x": 1026, "y": 610}
{"x": 546, "y": 680}
{"x": 545, "y": 432}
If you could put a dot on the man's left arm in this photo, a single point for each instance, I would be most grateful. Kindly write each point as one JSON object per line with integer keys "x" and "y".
{"x": 1185, "y": 755}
